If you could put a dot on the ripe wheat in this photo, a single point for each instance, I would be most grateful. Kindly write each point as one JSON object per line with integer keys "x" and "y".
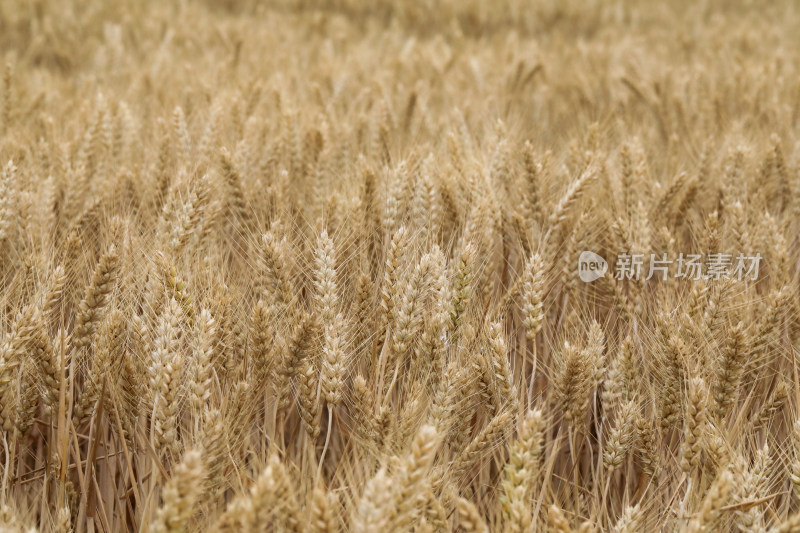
{"x": 312, "y": 266}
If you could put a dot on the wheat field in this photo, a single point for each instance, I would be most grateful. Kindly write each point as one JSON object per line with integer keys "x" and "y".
{"x": 372, "y": 266}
